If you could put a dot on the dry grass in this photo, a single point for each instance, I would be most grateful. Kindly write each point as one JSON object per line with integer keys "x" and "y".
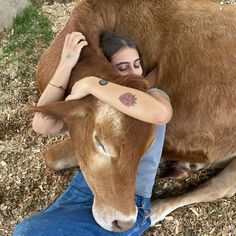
{"x": 27, "y": 186}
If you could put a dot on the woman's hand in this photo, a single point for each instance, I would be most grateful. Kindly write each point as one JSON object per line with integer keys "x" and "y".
{"x": 72, "y": 47}
{"x": 81, "y": 88}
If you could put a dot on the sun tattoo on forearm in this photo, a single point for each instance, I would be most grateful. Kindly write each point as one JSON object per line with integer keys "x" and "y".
{"x": 128, "y": 99}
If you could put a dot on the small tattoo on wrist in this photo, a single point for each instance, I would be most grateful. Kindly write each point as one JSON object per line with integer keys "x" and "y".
{"x": 103, "y": 82}
{"x": 128, "y": 99}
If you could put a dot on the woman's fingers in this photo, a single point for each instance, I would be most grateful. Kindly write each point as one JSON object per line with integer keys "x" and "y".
{"x": 81, "y": 44}
{"x": 69, "y": 97}
{"x": 72, "y": 97}
{"x": 75, "y": 34}
{"x": 73, "y": 45}
{"x": 76, "y": 37}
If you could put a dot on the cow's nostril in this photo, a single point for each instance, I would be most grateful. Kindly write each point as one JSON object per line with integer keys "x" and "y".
{"x": 118, "y": 225}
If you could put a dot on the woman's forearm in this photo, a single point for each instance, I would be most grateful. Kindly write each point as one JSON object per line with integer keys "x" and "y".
{"x": 60, "y": 79}
{"x": 43, "y": 124}
{"x": 54, "y": 91}
{"x": 132, "y": 102}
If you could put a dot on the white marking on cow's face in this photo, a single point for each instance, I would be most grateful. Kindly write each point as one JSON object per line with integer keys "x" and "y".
{"x": 106, "y": 217}
{"x": 81, "y": 112}
{"x": 99, "y": 162}
{"x": 106, "y": 113}
{"x": 108, "y": 124}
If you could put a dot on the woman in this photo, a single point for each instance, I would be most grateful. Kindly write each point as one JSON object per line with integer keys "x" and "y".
{"x": 71, "y": 214}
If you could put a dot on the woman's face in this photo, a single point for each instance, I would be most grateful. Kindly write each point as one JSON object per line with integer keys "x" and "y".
{"x": 127, "y": 61}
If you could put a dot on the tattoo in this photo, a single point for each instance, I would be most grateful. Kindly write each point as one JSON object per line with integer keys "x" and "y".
{"x": 128, "y": 99}
{"x": 103, "y": 82}
{"x": 69, "y": 55}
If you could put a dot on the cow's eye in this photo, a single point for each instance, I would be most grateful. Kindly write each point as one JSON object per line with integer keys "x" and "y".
{"x": 99, "y": 143}
{"x": 103, "y": 147}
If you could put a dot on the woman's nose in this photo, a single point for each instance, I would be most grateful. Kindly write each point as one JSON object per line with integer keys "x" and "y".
{"x": 136, "y": 71}
{"x": 132, "y": 70}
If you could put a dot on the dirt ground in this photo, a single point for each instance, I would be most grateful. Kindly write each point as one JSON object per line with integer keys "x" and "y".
{"x": 27, "y": 186}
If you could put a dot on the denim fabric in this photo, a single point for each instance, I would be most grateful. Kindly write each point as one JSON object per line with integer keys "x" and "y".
{"x": 148, "y": 165}
{"x": 71, "y": 215}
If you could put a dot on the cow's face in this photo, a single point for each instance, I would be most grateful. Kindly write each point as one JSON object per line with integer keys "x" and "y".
{"x": 108, "y": 146}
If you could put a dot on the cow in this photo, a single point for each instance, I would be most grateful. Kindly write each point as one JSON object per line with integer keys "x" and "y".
{"x": 190, "y": 48}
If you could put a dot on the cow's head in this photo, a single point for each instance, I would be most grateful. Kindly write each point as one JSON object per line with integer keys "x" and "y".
{"x": 108, "y": 146}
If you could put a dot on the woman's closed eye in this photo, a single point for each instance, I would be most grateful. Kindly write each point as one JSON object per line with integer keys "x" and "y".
{"x": 137, "y": 64}
{"x": 122, "y": 68}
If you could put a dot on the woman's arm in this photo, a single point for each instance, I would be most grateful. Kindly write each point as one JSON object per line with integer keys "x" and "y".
{"x": 45, "y": 124}
{"x": 54, "y": 91}
{"x": 149, "y": 108}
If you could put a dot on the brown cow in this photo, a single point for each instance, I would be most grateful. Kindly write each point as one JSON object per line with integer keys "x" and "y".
{"x": 193, "y": 45}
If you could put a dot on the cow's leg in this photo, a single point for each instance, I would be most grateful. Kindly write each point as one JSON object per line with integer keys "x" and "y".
{"x": 61, "y": 156}
{"x": 222, "y": 185}
{"x": 182, "y": 170}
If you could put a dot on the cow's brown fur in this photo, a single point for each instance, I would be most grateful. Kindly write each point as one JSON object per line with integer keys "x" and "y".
{"x": 192, "y": 46}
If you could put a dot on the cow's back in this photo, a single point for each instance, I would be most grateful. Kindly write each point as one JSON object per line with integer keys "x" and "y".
{"x": 194, "y": 44}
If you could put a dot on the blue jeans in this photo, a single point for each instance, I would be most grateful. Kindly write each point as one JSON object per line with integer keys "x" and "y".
{"x": 71, "y": 215}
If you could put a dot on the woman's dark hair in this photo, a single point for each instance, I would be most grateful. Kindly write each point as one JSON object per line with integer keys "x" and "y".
{"x": 112, "y": 42}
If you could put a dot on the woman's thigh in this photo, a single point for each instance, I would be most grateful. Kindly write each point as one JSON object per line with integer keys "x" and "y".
{"x": 73, "y": 222}
{"x": 71, "y": 214}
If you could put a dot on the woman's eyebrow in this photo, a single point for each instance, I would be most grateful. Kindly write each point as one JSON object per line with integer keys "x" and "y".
{"x": 126, "y": 62}
{"x": 121, "y": 63}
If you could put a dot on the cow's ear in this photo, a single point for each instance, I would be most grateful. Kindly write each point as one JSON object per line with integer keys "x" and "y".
{"x": 61, "y": 110}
